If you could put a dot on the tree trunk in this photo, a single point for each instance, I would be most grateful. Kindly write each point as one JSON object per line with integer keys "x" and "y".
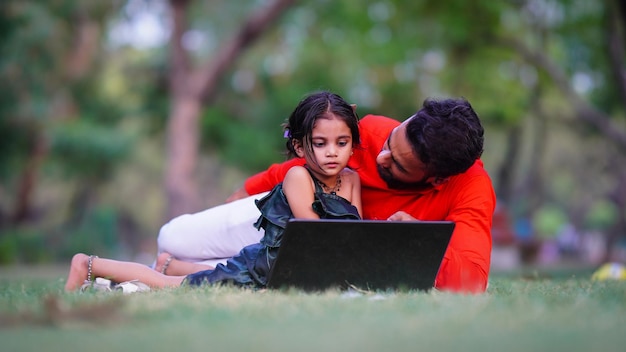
{"x": 504, "y": 189}
{"x": 28, "y": 180}
{"x": 616, "y": 38}
{"x": 190, "y": 89}
{"x": 182, "y": 157}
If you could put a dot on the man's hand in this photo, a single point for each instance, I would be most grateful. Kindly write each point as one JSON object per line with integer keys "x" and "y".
{"x": 238, "y": 194}
{"x": 401, "y": 216}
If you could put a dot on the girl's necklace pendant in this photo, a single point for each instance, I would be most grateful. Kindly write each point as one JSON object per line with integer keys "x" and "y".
{"x": 333, "y": 190}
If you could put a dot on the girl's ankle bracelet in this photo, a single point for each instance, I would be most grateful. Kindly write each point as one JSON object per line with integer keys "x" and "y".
{"x": 89, "y": 265}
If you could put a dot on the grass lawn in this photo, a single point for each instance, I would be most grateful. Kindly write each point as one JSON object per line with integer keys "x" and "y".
{"x": 561, "y": 313}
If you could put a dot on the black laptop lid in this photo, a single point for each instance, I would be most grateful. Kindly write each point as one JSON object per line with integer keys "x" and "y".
{"x": 316, "y": 255}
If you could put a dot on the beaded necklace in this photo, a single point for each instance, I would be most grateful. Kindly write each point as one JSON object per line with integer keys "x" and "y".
{"x": 330, "y": 190}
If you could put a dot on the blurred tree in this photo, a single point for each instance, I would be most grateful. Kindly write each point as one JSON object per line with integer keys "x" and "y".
{"x": 190, "y": 88}
{"x": 49, "y": 55}
{"x": 55, "y": 121}
{"x": 578, "y": 49}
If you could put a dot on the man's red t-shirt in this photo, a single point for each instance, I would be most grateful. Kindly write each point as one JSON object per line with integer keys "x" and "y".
{"x": 468, "y": 199}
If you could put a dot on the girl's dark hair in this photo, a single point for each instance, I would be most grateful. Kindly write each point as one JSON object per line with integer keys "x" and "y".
{"x": 446, "y": 135}
{"x": 318, "y": 105}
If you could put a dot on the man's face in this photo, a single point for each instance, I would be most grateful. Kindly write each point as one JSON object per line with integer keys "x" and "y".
{"x": 398, "y": 166}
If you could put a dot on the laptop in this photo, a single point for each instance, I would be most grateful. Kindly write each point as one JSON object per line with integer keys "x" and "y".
{"x": 316, "y": 255}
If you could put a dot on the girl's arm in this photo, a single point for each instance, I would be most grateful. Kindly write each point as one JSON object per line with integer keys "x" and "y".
{"x": 300, "y": 193}
{"x": 355, "y": 190}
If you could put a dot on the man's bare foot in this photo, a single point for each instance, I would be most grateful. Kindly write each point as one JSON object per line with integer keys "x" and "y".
{"x": 78, "y": 272}
{"x": 163, "y": 262}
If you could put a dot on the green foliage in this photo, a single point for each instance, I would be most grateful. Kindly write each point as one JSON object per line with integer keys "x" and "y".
{"x": 249, "y": 135}
{"x": 236, "y": 141}
{"x": 51, "y": 115}
{"x": 91, "y": 150}
{"x": 602, "y": 215}
{"x": 548, "y": 220}
{"x": 24, "y": 245}
{"x": 8, "y": 248}
{"x": 13, "y": 144}
{"x": 97, "y": 233}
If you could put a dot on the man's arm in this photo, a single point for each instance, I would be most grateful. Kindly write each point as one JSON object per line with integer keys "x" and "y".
{"x": 465, "y": 267}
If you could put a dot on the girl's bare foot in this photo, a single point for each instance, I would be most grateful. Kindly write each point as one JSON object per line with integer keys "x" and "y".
{"x": 78, "y": 272}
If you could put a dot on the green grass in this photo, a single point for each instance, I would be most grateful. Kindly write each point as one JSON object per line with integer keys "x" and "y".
{"x": 516, "y": 314}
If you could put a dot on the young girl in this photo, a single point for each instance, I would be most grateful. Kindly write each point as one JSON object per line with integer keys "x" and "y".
{"x": 323, "y": 129}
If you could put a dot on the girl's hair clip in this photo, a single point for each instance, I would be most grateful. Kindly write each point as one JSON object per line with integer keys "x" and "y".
{"x": 287, "y": 134}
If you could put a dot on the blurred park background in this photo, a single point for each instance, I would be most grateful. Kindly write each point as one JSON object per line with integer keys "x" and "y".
{"x": 116, "y": 116}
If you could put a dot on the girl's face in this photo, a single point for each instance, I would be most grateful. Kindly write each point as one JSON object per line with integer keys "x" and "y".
{"x": 332, "y": 146}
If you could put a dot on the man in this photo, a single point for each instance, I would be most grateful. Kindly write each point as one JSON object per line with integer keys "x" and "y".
{"x": 426, "y": 168}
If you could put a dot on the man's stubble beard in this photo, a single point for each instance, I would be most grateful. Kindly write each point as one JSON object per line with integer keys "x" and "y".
{"x": 392, "y": 183}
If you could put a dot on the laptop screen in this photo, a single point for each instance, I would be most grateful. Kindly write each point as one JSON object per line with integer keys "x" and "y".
{"x": 316, "y": 255}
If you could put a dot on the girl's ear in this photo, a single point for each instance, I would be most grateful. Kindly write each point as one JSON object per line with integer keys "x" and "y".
{"x": 297, "y": 146}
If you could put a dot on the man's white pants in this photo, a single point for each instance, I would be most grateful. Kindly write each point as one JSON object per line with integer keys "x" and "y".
{"x": 213, "y": 235}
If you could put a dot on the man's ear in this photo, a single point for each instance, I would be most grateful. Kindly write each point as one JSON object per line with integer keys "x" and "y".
{"x": 440, "y": 180}
{"x": 353, "y": 107}
{"x": 297, "y": 146}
